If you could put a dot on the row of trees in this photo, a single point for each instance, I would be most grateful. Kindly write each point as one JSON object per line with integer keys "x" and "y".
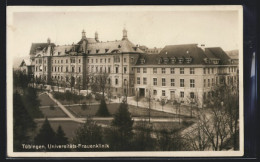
{"x": 218, "y": 125}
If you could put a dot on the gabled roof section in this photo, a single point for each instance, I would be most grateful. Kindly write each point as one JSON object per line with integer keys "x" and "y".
{"x": 219, "y": 53}
{"x": 120, "y": 46}
{"x": 25, "y": 62}
{"x": 39, "y": 46}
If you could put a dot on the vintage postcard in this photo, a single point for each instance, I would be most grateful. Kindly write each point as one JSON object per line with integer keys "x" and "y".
{"x": 125, "y": 81}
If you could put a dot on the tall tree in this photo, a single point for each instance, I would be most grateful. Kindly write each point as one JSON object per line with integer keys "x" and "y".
{"x": 61, "y": 139}
{"x": 23, "y": 123}
{"x": 124, "y": 125}
{"x": 103, "y": 111}
{"x": 32, "y": 103}
{"x": 88, "y": 134}
{"x": 46, "y": 135}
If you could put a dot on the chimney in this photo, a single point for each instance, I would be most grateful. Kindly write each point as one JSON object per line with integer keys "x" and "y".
{"x": 49, "y": 41}
{"x": 96, "y": 36}
{"x": 202, "y": 46}
{"x": 124, "y": 34}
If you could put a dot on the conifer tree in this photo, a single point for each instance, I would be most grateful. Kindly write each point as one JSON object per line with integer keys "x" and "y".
{"x": 103, "y": 111}
{"x": 46, "y": 135}
{"x": 23, "y": 123}
{"x": 123, "y": 127}
{"x": 88, "y": 134}
{"x": 61, "y": 139}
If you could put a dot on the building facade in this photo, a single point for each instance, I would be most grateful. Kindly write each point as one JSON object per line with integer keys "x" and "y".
{"x": 176, "y": 72}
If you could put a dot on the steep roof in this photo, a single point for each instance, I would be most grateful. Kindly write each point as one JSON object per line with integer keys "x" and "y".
{"x": 185, "y": 51}
{"x": 219, "y": 53}
{"x": 113, "y": 46}
{"x": 41, "y": 46}
{"x": 25, "y": 62}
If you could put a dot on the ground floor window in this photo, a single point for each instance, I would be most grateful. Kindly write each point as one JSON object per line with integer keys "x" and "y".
{"x": 192, "y": 95}
{"x": 182, "y": 94}
{"x": 163, "y": 92}
{"x": 154, "y": 92}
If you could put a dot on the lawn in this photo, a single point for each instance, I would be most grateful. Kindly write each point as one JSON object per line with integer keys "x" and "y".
{"x": 45, "y": 100}
{"x": 87, "y": 101}
{"x": 55, "y": 113}
{"x": 113, "y": 107}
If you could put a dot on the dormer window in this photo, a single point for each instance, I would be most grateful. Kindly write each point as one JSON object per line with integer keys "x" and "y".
{"x": 142, "y": 60}
{"x": 215, "y": 62}
{"x": 206, "y": 60}
{"x": 166, "y": 60}
{"x": 89, "y": 51}
{"x": 58, "y": 53}
{"x": 106, "y": 50}
{"x": 188, "y": 60}
{"x": 119, "y": 46}
{"x": 180, "y": 60}
{"x": 159, "y": 60}
{"x": 97, "y": 50}
{"x": 173, "y": 60}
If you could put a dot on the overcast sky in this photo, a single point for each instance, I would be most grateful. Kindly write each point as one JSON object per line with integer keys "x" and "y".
{"x": 145, "y": 27}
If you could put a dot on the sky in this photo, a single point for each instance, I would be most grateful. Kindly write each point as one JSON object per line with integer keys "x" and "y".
{"x": 153, "y": 28}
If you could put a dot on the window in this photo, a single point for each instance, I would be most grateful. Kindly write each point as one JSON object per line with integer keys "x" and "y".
{"x": 163, "y": 70}
{"x": 132, "y": 60}
{"x": 192, "y": 95}
{"x": 144, "y": 70}
{"x": 108, "y": 60}
{"x": 40, "y": 61}
{"x": 181, "y": 82}
{"x": 163, "y": 82}
{"x": 144, "y": 81}
{"x": 125, "y": 69}
{"x": 138, "y": 70}
{"x": 116, "y": 69}
{"x": 116, "y": 81}
{"x": 172, "y": 82}
{"x": 163, "y": 92}
{"x": 138, "y": 80}
{"x": 55, "y": 68}
{"x": 216, "y": 80}
{"x": 192, "y": 83}
{"x": 212, "y": 80}
{"x": 45, "y": 68}
{"x": 96, "y": 60}
{"x": 96, "y": 69}
{"x": 67, "y": 69}
{"x": 204, "y": 83}
{"x": 101, "y": 60}
{"x": 182, "y": 94}
{"x": 212, "y": 70}
{"x": 154, "y": 92}
{"x": 124, "y": 59}
{"x": 181, "y": 70}
{"x": 172, "y": 70}
{"x": 72, "y": 60}
{"x": 154, "y": 70}
{"x": 72, "y": 69}
{"x": 60, "y": 61}
{"x": 108, "y": 69}
{"x": 100, "y": 69}
{"x": 208, "y": 82}
{"x": 204, "y": 70}
{"x": 192, "y": 71}
{"x": 208, "y": 70}
{"x": 154, "y": 81}
{"x": 79, "y": 69}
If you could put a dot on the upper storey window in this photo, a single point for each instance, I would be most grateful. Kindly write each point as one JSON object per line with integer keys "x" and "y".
{"x": 206, "y": 60}
{"x": 142, "y": 60}
{"x": 188, "y": 60}
{"x": 215, "y": 62}
{"x": 72, "y": 60}
{"x": 160, "y": 60}
{"x": 166, "y": 60}
{"x": 116, "y": 59}
{"x": 180, "y": 59}
{"x": 173, "y": 60}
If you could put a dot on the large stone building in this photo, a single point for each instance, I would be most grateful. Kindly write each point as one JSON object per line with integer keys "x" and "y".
{"x": 177, "y": 72}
